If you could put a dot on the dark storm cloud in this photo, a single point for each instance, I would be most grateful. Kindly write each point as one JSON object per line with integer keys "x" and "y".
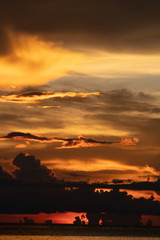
{"x": 123, "y": 94}
{"x": 117, "y": 181}
{"x": 142, "y": 185}
{"x": 113, "y": 101}
{"x": 35, "y": 198}
{"x": 29, "y": 168}
{"x": 28, "y": 196}
{"x": 156, "y": 162}
{"x": 92, "y": 176}
{"x": 5, "y": 45}
{"x": 115, "y": 25}
{"x": 124, "y": 100}
{"x": 27, "y": 136}
{"x": 4, "y": 174}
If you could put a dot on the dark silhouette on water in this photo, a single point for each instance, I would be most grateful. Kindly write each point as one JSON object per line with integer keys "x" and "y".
{"x": 105, "y": 219}
{"x": 28, "y": 221}
{"x": 35, "y": 195}
{"x": 149, "y": 223}
{"x": 77, "y": 221}
{"x": 48, "y": 222}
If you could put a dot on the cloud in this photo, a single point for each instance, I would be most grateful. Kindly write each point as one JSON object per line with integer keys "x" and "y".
{"x": 21, "y": 146}
{"x": 37, "y": 190}
{"x": 36, "y": 97}
{"x": 50, "y": 197}
{"x": 100, "y": 170}
{"x": 85, "y": 142}
{"x": 29, "y": 168}
{"x": 127, "y": 102}
{"x": 45, "y": 107}
{"x": 26, "y": 136}
{"x": 68, "y": 142}
{"x": 129, "y": 141}
{"x": 116, "y": 26}
{"x": 35, "y": 49}
{"x": 82, "y": 142}
{"x": 116, "y": 181}
{"x": 139, "y": 186}
{"x": 33, "y": 61}
{"x": 4, "y": 174}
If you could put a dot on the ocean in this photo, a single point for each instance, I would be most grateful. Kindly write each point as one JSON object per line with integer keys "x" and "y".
{"x": 70, "y": 232}
{"x": 4, "y": 237}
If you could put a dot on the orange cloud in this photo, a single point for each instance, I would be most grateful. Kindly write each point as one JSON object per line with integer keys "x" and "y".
{"x": 68, "y": 142}
{"x": 85, "y": 142}
{"x": 82, "y": 142}
{"x": 21, "y": 146}
{"x": 36, "y": 97}
{"x": 129, "y": 141}
{"x": 95, "y": 165}
{"x": 44, "y": 107}
{"x": 33, "y": 61}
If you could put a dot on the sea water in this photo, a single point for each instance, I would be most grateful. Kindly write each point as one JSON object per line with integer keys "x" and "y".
{"x": 4, "y": 237}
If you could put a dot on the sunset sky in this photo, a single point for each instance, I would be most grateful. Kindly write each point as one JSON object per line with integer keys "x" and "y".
{"x": 79, "y": 89}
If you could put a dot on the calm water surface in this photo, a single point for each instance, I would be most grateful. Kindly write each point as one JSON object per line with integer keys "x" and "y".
{"x": 73, "y": 238}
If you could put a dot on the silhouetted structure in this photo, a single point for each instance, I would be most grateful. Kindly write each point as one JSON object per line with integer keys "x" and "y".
{"x": 28, "y": 221}
{"x": 48, "y": 222}
{"x": 149, "y": 223}
{"x": 114, "y": 219}
{"x": 93, "y": 218}
{"x": 29, "y": 195}
{"x": 77, "y": 221}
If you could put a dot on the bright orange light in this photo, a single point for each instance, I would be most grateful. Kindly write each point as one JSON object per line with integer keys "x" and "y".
{"x": 33, "y": 61}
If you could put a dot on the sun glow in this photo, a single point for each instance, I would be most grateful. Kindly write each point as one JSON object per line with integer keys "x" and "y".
{"x": 34, "y": 62}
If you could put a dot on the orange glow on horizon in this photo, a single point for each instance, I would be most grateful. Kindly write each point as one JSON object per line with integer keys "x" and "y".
{"x": 57, "y": 218}
{"x": 61, "y": 218}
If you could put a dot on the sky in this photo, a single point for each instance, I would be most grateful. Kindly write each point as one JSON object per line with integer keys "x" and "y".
{"x": 80, "y": 92}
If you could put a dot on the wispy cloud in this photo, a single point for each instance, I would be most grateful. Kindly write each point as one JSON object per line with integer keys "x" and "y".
{"x": 89, "y": 142}
{"x": 36, "y": 97}
{"x": 68, "y": 142}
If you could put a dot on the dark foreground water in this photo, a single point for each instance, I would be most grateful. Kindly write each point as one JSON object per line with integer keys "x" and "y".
{"x": 72, "y": 238}
{"x": 63, "y": 232}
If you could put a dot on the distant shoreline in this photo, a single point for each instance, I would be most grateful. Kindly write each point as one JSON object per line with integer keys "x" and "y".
{"x": 71, "y": 230}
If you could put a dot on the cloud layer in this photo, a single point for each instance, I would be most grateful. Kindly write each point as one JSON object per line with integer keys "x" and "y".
{"x": 81, "y": 135}
{"x": 36, "y": 190}
{"x": 117, "y": 25}
{"x": 68, "y": 142}
{"x": 36, "y": 97}
{"x": 29, "y": 168}
{"x": 32, "y": 61}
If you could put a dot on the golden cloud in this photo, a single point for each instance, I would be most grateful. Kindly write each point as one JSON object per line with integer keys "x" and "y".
{"x": 68, "y": 142}
{"x": 34, "y": 62}
{"x": 114, "y": 65}
{"x": 21, "y": 146}
{"x": 36, "y": 97}
{"x": 101, "y": 165}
